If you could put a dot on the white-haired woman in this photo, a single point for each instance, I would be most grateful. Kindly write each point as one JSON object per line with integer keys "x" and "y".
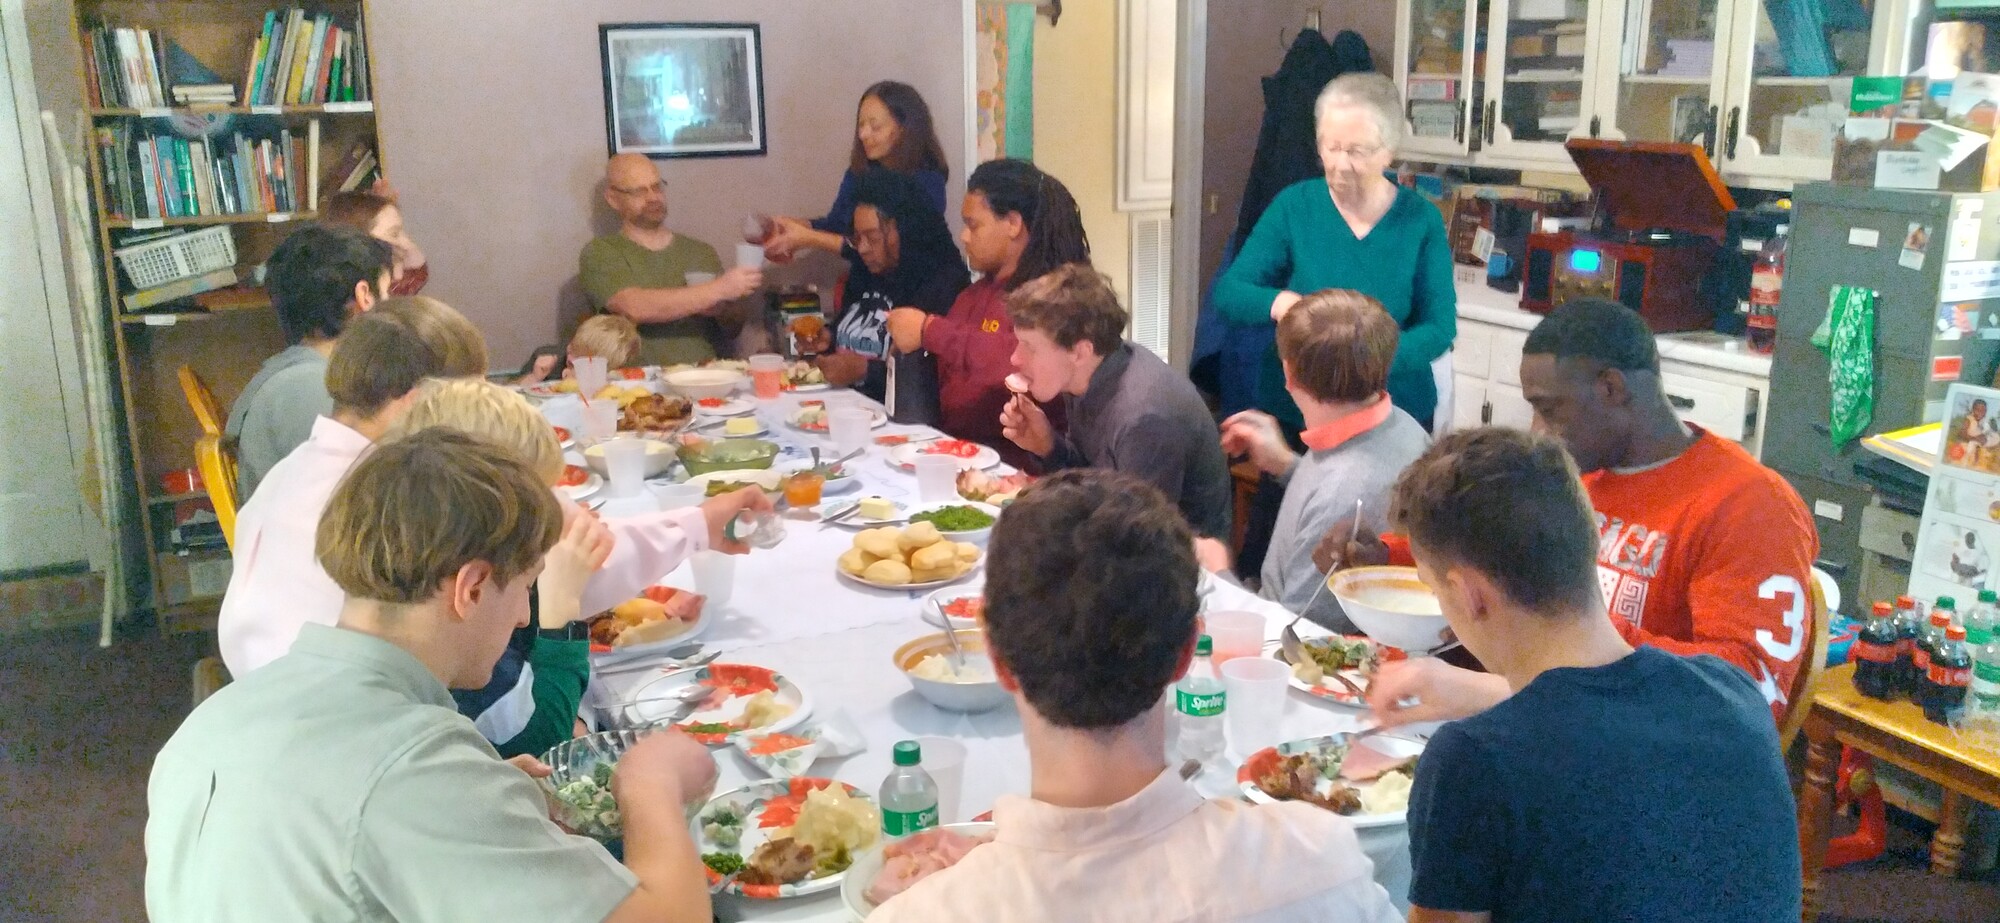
{"x": 1352, "y": 229}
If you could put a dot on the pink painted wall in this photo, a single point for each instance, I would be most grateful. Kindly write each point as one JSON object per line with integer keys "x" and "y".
{"x": 492, "y": 120}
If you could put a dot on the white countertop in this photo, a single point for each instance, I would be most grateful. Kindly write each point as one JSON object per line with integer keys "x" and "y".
{"x": 1706, "y": 348}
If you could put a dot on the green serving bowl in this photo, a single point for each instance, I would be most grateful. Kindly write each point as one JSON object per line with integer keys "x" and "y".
{"x": 728, "y": 455}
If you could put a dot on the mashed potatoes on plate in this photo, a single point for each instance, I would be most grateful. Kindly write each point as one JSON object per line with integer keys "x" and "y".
{"x": 938, "y": 668}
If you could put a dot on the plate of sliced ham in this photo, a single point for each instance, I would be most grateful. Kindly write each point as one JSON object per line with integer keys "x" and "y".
{"x": 886, "y": 871}
{"x": 1368, "y": 780}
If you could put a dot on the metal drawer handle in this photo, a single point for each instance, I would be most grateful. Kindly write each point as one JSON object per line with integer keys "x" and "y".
{"x": 1680, "y": 403}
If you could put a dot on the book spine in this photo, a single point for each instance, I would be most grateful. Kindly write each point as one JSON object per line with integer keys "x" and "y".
{"x": 246, "y": 197}
{"x": 281, "y": 61}
{"x": 311, "y": 72}
{"x": 312, "y": 166}
{"x": 336, "y": 85}
{"x": 328, "y": 50}
{"x": 256, "y": 68}
{"x": 91, "y": 90}
{"x": 300, "y": 52}
{"x": 149, "y": 179}
{"x": 362, "y": 86}
{"x": 184, "y": 168}
{"x": 204, "y": 203}
{"x": 149, "y": 69}
{"x": 128, "y": 70}
{"x": 265, "y": 201}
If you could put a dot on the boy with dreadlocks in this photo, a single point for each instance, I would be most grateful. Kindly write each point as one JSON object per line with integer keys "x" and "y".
{"x": 1020, "y": 223}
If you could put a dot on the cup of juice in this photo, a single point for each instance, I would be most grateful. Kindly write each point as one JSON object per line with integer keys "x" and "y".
{"x": 802, "y": 490}
{"x": 767, "y": 375}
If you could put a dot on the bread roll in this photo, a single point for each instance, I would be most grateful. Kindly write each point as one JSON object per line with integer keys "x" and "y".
{"x": 919, "y": 535}
{"x": 887, "y": 572}
{"x": 967, "y": 552}
{"x": 926, "y": 575}
{"x": 855, "y": 561}
{"x": 934, "y": 557}
{"x": 881, "y": 543}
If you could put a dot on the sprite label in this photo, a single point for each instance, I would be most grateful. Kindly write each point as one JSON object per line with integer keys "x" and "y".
{"x": 904, "y": 823}
{"x": 1199, "y": 706}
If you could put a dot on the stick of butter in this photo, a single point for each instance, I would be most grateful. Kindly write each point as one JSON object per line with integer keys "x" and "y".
{"x": 877, "y": 508}
{"x": 740, "y": 426}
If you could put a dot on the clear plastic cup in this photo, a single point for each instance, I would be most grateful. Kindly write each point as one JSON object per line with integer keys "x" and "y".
{"x": 591, "y": 372}
{"x": 625, "y": 462}
{"x": 848, "y": 428}
{"x": 698, "y": 278}
{"x": 767, "y": 375}
{"x": 1236, "y": 634}
{"x": 751, "y": 255}
{"x": 944, "y": 759}
{"x": 600, "y": 420}
{"x": 1255, "y": 687}
{"x": 714, "y": 576}
{"x": 937, "y": 478}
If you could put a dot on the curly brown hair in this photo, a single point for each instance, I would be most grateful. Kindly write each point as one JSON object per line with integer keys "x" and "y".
{"x": 1090, "y": 596}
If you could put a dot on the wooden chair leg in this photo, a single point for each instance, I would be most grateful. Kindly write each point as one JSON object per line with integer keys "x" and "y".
{"x": 1948, "y": 846}
{"x": 1816, "y": 817}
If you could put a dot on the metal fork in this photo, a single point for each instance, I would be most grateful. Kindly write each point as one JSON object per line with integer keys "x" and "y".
{"x": 1288, "y": 640}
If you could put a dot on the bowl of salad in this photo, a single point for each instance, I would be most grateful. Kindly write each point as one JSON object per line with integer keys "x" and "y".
{"x": 580, "y": 782}
{"x": 959, "y": 521}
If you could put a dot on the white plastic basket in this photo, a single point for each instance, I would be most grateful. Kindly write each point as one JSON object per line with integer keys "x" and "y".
{"x": 158, "y": 262}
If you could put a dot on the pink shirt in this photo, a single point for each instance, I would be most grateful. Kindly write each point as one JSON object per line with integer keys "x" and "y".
{"x": 1165, "y": 854}
{"x": 277, "y": 585}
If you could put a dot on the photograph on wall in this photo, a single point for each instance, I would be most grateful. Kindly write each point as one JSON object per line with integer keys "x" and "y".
{"x": 1972, "y": 430}
{"x": 683, "y": 89}
{"x": 1958, "y": 539}
{"x": 1962, "y": 553}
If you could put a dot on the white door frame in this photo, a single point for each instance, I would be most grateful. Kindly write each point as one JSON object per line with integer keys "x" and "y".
{"x": 1190, "y": 83}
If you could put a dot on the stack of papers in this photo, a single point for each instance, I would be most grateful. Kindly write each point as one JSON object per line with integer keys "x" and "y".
{"x": 1689, "y": 57}
{"x": 1915, "y": 448}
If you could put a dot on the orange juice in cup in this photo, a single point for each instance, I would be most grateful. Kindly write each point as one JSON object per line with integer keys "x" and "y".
{"x": 767, "y": 375}
{"x": 802, "y": 490}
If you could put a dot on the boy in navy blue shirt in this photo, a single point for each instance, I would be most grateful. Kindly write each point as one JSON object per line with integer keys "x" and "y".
{"x": 1613, "y": 784}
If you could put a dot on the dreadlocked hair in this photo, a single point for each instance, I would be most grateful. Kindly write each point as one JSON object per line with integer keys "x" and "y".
{"x": 1055, "y": 226}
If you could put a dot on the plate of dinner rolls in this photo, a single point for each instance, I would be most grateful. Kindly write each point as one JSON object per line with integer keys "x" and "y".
{"x": 913, "y": 557}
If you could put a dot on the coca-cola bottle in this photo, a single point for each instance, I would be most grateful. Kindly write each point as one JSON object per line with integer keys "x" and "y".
{"x": 1927, "y": 644}
{"x": 1767, "y": 282}
{"x": 1909, "y": 624}
{"x": 1874, "y": 655}
{"x": 1949, "y": 676}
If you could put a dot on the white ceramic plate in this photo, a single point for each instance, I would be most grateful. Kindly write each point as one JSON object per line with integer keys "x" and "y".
{"x": 1398, "y": 747}
{"x": 876, "y": 420}
{"x": 650, "y": 700}
{"x": 752, "y": 800}
{"x": 853, "y": 891}
{"x": 925, "y": 585}
{"x": 808, "y": 389}
{"x": 591, "y": 484}
{"x": 933, "y": 608}
{"x": 1328, "y": 690}
{"x": 603, "y": 656}
{"x": 856, "y": 521}
{"x": 714, "y": 427}
{"x": 905, "y": 456}
{"x": 730, "y": 407}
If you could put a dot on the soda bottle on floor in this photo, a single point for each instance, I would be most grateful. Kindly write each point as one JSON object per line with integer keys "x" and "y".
{"x": 1909, "y": 625}
{"x": 1874, "y": 655}
{"x": 1983, "y": 695}
{"x": 1950, "y": 675}
{"x": 1199, "y": 700}
{"x": 909, "y": 797}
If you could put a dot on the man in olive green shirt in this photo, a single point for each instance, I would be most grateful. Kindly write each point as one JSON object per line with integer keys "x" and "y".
{"x": 338, "y": 782}
{"x": 641, "y": 271}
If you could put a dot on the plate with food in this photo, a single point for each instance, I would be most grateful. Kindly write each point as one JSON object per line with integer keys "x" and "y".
{"x": 564, "y": 438}
{"x": 867, "y": 512}
{"x": 785, "y": 837}
{"x": 992, "y": 489}
{"x": 915, "y": 557}
{"x": 579, "y": 482}
{"x": 959, "y": 522}
{"x": 880, "y": 874}
{"x": 735, "y": 427}
{"x": 968, "y": 454}
{"x": 804, "y": 376}
{"x": 742, "y": 698}
{"x": 956, "y": 607}
{"x": 655, "y": 413}
{"x": 724, "y": 407}
{"x": 717, "y": 483}
{"x": 840, "y": 479}
{"x": 1353, "y": 657}
{"x": 781, "y": 755}
{"x": 548, "y": 389}
{"x": 659, "y": 618}
{"x": 1368, "y": 780}
{"x": 811, "y": 417}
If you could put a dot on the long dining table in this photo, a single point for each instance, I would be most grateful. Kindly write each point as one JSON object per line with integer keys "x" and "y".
{"x": 791, "y": 612}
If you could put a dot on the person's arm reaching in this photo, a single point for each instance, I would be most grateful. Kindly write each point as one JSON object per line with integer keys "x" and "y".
{"x": 1255, "y": 282}
{"x": 650, "y": 546}
{"x": 659, "y": 305}
{"x": 653, "y": 783}
{"x": 1433, "y": 321}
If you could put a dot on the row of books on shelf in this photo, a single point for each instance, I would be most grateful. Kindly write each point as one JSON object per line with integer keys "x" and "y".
{"x": 126, "y": 67}
{"x": 150, "y": 175}
{"x": 303, "y": 59}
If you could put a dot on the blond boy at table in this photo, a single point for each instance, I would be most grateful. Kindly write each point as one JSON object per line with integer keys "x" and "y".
{"x": 1090, "y": 615}
{"x": 339, "y": 782}
{"x": 1614, "y": 783}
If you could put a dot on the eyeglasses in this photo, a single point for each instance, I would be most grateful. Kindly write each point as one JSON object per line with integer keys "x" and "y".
{"x": 1353, "y": 151}
{"x": 874, "y": 238}
{"x": 659, "y": 187}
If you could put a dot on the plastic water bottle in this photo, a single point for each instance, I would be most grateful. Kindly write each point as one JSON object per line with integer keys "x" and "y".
{"x": 909, "y": 797}
{"x": 1199, "y": 699}
{"x": 1983, "y": 614}
{"x": 1983, "y": 702}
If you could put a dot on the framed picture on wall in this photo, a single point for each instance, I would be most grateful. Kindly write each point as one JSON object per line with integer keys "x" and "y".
{"x": 683, "y": 89}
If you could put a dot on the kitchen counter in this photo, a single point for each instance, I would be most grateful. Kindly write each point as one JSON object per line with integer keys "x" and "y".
{"x": 1705, "y": 348}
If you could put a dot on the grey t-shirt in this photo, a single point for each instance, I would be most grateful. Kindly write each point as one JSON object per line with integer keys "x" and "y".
{"x": 275, "y": 413}
{"x": 1321, "y": 491}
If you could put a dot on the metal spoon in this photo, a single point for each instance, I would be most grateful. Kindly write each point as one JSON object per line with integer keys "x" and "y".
{"x": 957, "y": 652}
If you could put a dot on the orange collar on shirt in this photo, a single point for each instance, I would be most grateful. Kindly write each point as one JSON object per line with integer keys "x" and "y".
{"x": 1328, "y": 436}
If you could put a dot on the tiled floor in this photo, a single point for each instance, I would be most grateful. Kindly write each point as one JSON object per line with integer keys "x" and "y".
{"x": 79, "y": 726}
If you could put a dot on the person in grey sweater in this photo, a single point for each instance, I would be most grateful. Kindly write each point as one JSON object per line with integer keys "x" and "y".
{"x": 318, "y": 278}
{"x": 1126, "y": 410}
{"x": 1336, "y": 346}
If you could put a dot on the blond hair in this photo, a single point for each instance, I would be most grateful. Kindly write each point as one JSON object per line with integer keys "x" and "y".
{"x": 413, "y": 513}
{"x": 491, "y": 412}
{"x": 396, "y": 344}
{"x": 608, "y": 335}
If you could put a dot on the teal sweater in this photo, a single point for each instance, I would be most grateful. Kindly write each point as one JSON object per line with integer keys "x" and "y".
{"x": 1302, "y": 244}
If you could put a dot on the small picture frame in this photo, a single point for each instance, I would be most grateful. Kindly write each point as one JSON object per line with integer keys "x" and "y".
{"x": 683, "y": 89}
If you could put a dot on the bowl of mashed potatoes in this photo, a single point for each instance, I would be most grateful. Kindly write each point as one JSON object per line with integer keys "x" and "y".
{"x": 969, "y": 686}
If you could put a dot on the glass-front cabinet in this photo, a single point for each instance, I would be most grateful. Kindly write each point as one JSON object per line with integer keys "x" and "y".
{"x": 1664, "y": 73}
{"x": 1538, "y": 87}
{"x": 1441, "y": 48}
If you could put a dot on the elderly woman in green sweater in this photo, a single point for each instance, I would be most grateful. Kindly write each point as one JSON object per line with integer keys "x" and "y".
{"x": 1353, "y": 229}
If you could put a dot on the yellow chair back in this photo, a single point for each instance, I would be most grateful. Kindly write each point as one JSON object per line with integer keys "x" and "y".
{"x": 218, "y": 474}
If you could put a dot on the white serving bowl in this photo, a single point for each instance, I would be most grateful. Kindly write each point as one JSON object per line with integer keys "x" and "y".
{"x": 974, "y": 536}
{"x": 962, "y": 697}
{"x": 659, "y": 457}
{"x": 1391, "y": 606}
{"x": 695, "y": 384}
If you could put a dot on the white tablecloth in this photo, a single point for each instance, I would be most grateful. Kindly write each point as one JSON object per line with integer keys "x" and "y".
{"x": 790, "y": 612}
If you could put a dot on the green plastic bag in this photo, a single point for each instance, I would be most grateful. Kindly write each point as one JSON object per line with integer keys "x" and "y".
{"x": 1849, "y": 343}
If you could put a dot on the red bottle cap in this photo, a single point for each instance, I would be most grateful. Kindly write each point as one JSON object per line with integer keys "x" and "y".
{"x": 1905, "y": 602}
{"x": 1882, "y": 609}
{"x": 1955, "y": 633}
{"x": 1940, "y": 619}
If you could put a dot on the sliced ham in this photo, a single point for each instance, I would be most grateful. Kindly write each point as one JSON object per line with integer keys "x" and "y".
{"x": 916, "y": 857}
{"x": 1364, "y": 763}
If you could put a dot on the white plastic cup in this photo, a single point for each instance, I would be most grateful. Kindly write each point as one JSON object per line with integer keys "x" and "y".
{"x": 944, "y": 759}
{"x": 625, "y": 461}
{"x": 848, "y": 428}
{"x": 591, "y": 372}
{"x": 600, "y": 421}
{"x": 1236, "y": 634}
{"x": 751, "y": 255}
{"x": 698, "y": 278}
{"x": 678, "y": 496}
{"x": 714, "y": 576}
{"x": 767, "y": 375}
{"x": 1256, "y": 694}
{"x": 937, "y": 478}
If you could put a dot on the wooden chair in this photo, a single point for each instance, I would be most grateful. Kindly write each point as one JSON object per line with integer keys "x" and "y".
{"x": 202, "y": 401}
{"x": 1243, "y": 477}
{"x": 209, "y": 677}
{"x": 1799, "y": 698}
{"x": 218, "y": 474}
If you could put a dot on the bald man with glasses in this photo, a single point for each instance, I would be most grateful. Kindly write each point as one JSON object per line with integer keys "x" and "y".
{"x": 642, "y": 271}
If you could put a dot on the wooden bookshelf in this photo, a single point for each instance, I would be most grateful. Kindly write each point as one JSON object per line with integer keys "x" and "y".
{"x": 226, "y": 344}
